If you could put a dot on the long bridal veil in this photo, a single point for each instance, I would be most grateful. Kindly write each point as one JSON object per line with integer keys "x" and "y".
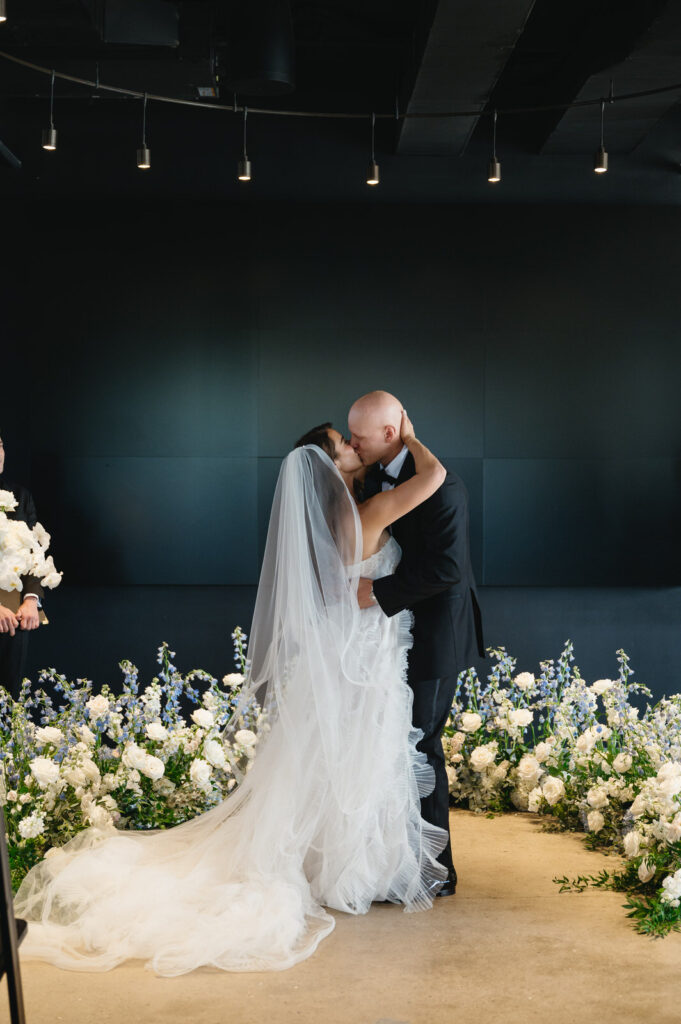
{"x": 239, "y": 887}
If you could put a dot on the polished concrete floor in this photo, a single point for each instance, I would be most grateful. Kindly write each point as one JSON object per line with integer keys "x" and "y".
{"x": 507, "y": 947}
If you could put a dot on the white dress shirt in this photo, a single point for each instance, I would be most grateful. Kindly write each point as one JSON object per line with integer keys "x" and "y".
{"x": 394, "y": 468}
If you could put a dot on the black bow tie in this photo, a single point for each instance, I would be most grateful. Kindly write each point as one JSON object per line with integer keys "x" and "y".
{"x": 381, "y": 475}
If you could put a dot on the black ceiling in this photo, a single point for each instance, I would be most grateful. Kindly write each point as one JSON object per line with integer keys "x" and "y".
{"x": 352, "y": 56}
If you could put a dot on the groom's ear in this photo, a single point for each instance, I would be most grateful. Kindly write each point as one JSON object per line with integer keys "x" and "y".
{"x": 390, "y": 434}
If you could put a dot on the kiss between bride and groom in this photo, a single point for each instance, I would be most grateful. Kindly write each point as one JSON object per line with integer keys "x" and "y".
{"x": 365, "y": 613}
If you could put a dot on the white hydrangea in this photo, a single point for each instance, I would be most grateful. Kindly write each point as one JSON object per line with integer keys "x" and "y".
{"x": 672, "y": 889}
{"x": 31, "y": 826}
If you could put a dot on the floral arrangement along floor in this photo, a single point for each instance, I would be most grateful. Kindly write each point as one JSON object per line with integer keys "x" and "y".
{"x": 582, "y": 755}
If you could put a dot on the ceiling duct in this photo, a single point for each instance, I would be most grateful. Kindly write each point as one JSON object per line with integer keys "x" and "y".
{"x": 260, "y": 55}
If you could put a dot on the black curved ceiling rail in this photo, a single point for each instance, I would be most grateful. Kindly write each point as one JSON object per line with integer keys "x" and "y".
{"x": 395, "y": 115}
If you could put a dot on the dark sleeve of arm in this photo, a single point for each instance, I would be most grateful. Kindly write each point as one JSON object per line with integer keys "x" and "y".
{"x": 30, "y": 514}
{"x": 444, "y": 522}
{"x": 32, "y": 586}
{"x": 31, "y": 583}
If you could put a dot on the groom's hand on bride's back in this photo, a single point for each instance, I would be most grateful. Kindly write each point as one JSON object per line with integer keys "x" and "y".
{"x": 365, "y": 593}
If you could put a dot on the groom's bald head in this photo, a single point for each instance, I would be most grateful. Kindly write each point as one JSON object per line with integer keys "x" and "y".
{"x": 374, "y": 421}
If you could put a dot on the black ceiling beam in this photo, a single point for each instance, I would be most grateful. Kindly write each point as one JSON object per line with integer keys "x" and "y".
{"x": 562, "y": 46}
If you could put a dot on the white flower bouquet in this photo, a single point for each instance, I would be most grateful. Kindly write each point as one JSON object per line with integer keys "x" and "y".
{"x": 23, "y": 550}
{"x": 134, "y": 760}
{"x": 584, "y": 756}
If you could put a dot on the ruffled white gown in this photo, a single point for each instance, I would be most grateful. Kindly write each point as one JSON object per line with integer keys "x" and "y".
{"x": 244, "y": 886}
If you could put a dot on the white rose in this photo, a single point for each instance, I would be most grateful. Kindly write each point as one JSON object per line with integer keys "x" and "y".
{"x": 200, "y": 773}
{"x": 645, "y": 871}
{"x": 601, "y": 685}
{"x": 597, "y": 797}
{"x": 524, "y": 680}
{"x": 632, "y": 843}
{"x": 470, "y": 721}
{"x": 623, "y": 762}
{"x": 44, "y": 771}
{"x": 12, "y": 796}
{"x": 232, "y": 680}
{"x": 534, "y": 799}
{"x": 451, "y": 776}
{"x": 669, "y": 770}
{"x": 501, "y": 771}
{"x": 156, "y": 731}
{"x": 215, "y": 753}
{"x": 134, "y": 757}
{"x": 48, "y": 734}
{"x": 528, "y": 768}
{"x": 203, "y": 718}
{"x": 553, "y": 790}
{"x": 481, "y": 758}
{"x": 542, "y": 751}
{"x": 98, "y": 816}
{"x": 595, "y": 821}
{"x": 245, "y": 738}
{"x": 153, "y": 767}
{"x": 520, "y": 716}
{"x": 32, "y": 826}
{"x": 98, "y": 706}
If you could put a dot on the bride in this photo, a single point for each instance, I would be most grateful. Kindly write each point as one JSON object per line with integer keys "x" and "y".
{"x": 329, "y": 815}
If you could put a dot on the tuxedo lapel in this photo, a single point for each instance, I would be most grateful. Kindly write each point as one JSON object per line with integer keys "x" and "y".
{"x": 408, "y": 469}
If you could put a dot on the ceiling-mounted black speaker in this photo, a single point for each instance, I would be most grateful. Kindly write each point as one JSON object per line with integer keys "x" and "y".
{"x": 260, "y": 55}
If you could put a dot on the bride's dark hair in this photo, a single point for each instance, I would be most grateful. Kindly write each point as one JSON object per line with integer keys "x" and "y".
{"x": 319, "y": 436}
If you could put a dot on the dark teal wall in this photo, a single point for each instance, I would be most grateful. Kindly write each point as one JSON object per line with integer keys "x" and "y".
{"x": 159, "y": 360}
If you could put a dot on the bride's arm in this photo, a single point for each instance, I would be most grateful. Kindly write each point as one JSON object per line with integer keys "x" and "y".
{"x": 387, "y": 506}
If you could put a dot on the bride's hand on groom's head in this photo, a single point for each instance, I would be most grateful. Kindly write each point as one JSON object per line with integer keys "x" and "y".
{"x": 406, "y": 428}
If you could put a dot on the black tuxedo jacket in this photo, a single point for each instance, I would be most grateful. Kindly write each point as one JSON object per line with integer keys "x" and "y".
{"x": 434, "y": 579}
{"x": 24, "y": 512}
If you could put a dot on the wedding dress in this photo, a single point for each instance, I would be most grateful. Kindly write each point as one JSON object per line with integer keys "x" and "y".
{"x": 328, "y": 816}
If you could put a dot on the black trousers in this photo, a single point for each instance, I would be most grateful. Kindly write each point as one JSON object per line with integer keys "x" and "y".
{"x": 13, "y": 660}
{"x": 432, "y": 704}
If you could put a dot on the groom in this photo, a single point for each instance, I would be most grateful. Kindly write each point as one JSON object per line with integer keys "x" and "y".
{"x": 434, "y": 579}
